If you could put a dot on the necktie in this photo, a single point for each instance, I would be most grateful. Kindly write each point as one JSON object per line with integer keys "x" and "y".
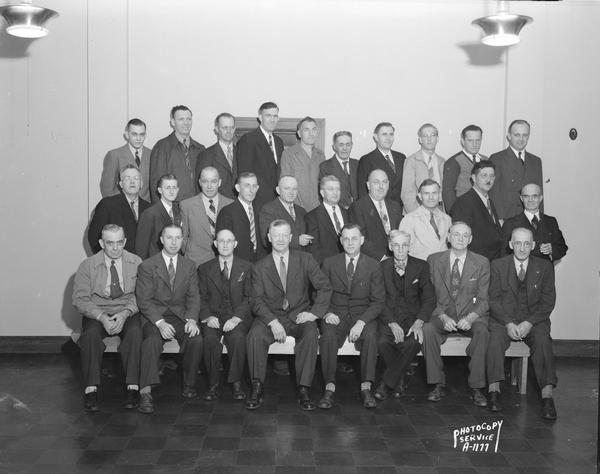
{"x": 252, "y": 227}
{"x": 400, "y": 266}
{"x": 488, "y": 204}
{"x": 350, "y": 270}
{"x": 391, "y": 163}
{"x": 283, "y": 276}
{"x": 476, "y": 159}
{"x": 230, "y": 155}
{"x": 336, "y": 221}
{"x": 171, "y": 271}
{"x": 225, "y": 278}
{"x": 292, "y": 213}
{"x": 115, "y": 287}
{"x": 345, "y": 165}
{"x": 535, "y": 222}
{"x": 133, "y": 210}
{"x": 384, "y": 218}
{"x": 430, "y": 167}
{"x": 225, "y": 272}
{"x": 212, "y": 216}
{"x": 272, "y": 147}
{"x": 434, "y": 225}
{"x": 171, "y": 215}
{"x": 186, "y": 149}
{"x": 137, "y": 158}
{"x": 521, "y": 273}
{"x": 454, "y": 279}
{"x": 521, "y": 157}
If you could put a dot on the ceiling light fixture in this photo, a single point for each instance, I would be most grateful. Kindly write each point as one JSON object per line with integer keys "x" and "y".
{"x": 26, "y": 20}
{"x": 503, "y": 28}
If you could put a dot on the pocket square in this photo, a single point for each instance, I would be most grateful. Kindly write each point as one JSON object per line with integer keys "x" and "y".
{"x": 416, "y": 280}
{"x": 241, "y": 277}
{"x": 473, "y": 279}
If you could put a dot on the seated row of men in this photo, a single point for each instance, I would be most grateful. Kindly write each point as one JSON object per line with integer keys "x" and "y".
{"x": 390, "y": 308}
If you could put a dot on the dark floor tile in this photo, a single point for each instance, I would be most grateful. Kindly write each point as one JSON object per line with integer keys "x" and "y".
{"x": 376, "y": 469}
{"x": 20, "y": 456}
{"x": 334, "y": 458}
{"x": 184, "y": 443}
{"x": 294, "y": 444}
{"x": 221, "y": 443}
{"x": 295, "y": 470}
{"x": 139, "y": 457}
{"x": 118, "y": 430}
{"x": 259, "y": 431}
{"x": 450, "y": 460}
{"x": 438, "y": 445}
{"x": 456, "y": 470}
{"x": 224, "y": 430}
{"x": 488, "y": 460}
{"x": 402, "y": 431}
{"x": 60, "y": 456}
{"x": 372, "y": 458}
{"x": 294, "y": 458}
{"x": 188, "y": 430}
{"x": 213, "y": 457}
{"x": 108, "y": 443}
{"x": 177, "y": 457}
{"x": 415, "y": 459}
{"x": 99, "y": 457}
{"x": 146, "y": 443}
{"x": 71, "y": 442}
{"x": 214, "y": 470}
{"x": 255, "y": 458}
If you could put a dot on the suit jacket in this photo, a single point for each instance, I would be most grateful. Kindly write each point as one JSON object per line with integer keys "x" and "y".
{"x": 296, "y": 162}
{"x": 115, "y": 210}
{"x": 304, "y": 274}
{"x": 197, "y": 235}
{"x": 234, "y": 217}
{"x": 511, "y": 175}
{"x": 153, "y": 291}
{"x": 168, "y": 157}
{"x": 214, "y": 156}
{"x": 114, "y": 161}
{"x": 375, "y": 160}
{"x": 255, "y": 155}
{"x": 415, "y": 172}
{"x": 212, "y": 290}
{"x": 473, "y": 289}
{"x": 326, "y": 242}
{"x": 419, "y": 294}
{"x": 548, "y": 232}
{"x": 364, "y": 213}
{"x": 457, "y": 178}
{"x": 487, "y": 235}
{"x": 504, "y": 293}
{"x": 89, "y": 287}
{"x": 348, "y": 184}
{"x": 150, "y": 225}
{"x": 274, "y": 210}
{"x": 363, "y": 297}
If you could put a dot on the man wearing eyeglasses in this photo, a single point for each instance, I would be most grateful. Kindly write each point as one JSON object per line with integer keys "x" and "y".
{"x": 104, "y": 293}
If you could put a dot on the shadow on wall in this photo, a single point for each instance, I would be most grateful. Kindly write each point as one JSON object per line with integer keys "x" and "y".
{"x": 481, "y": 55}
{"x": 69, "y": 314}
{"x": 12, "y": 47}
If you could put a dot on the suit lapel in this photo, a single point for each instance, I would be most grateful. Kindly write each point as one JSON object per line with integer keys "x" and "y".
{"x": 340, "y": 269}
{"x": 329, "y": 226}
{"x": 222, "y": 159}
{"x": 512, "y": 276}
{"x": 272, "y": 272}
{"x": 202, "y": 216}
{"x": 409, "y": 275}
{"x": 161, "y": 269}
{"x": 445, "y": 270}
{"x": 374, "y": 212}
{"x": 214, "y": 273}
{"x": 468, "y": 270}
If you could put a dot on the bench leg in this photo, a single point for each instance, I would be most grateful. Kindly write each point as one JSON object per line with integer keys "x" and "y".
{"x": 523, "y": 373}
{"x": 514, "y": 371}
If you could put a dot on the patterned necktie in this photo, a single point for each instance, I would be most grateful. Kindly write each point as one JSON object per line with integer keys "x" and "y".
{"x": 521, "y": 273}
{"x": 292, "y": 213}
{"x": 454, "y": 279}
{"x": 230, "y": 155}
{"x": 400, "y": 266}
{"x": 391, "y": 163}
{"x": 212, "y": 216}
{"x": 283, "y": 276}
{"x": 137, "y": 158}
{"x": 272, "y": 147}
{"x": 345, "y": 165}
{"x": 535, "y": 222}
{"x": 476, "y": 159}
{"x": 133, "y": 210}
{"x": 384, "y": 218}
{"x": 434, "y": 225}
{"x": 350, "y": 270}
{"x": 115, "y": 287}
{"x": 225, "y": 278}
{"x": 336, "y": 221}
{"x": 171, "y": 270}
{"x": 171, "y": 215}
{"x": 430, "y": 167}
{"x": 252, "y": 227}
{"x": 488, "y": 204}
{"x": 186, "y": 149}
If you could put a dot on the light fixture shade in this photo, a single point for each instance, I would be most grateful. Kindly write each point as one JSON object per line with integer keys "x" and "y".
{"x": 501, "y": 29}
{"x": 25, "y": 20}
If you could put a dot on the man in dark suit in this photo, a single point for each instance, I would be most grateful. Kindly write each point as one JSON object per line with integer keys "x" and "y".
{"x": 123, "y": 209}
{"x": 343, "y": 167}
{"x": 549, "y": 241}
{"x": 177, "y": 154}
{"x": 260, "y": 151}
{"x": 241, "y": 218}
{"x": 515, "y": 167}
{"x": 461, "y": 280}
{"x": 325, "y": 222}
{"x": 522, "y": 296}
{"x": 225, "y": 311}
{"x": 383, "y": 158}
{"x": 284, "y": 208}
{"x": 169, "y": 300}
{"x": 222, "y": 155}
{"x": 409, "y": 302}
{"x": 103, "y": 292}
{"x": 163, "y": 212}
{"x": 281, "y": 286}
{"x": 356, "y": 300}
{"x": 479, "y": 212}
{"x": 133, "y": 153}
{"x": 376, "y": 215}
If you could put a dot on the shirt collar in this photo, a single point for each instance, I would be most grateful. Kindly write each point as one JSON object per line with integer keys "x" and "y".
{"x": 483, "y": 198}
{"x": 518, "y": 264}
{"x": 167, "y": 258}
{"x": 355, "y": 259}
{"x": 517, "y": 152}
{"x": 108, "y": 260}
{"x": 530, "y": 214}
{"x": 461, "y": 258}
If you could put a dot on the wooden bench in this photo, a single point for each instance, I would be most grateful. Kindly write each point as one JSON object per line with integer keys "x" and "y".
{"x": 454, "y": 346}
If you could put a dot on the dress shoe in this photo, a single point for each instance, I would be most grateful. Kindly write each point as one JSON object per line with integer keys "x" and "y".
{"x": 254, "y": 401}
{"x": 548, "y": 409}
{"x": 326, "y": 401}
{"x": 146, "y": 403}
{"x": 304, "y": 399}
{"x": 437, "y": 393}
{"x": 238, "y": 393}
{"x": 381, "y": 391}
{"x": 212, "y": 393}
{"x": 189, "y": 392}
{"x": 131, "y": 399}
{"x": 368, "y": 399}
{"x": 494, "y": 401}
{"x": 479, "y": 399}
{"x": 90, "y": 402}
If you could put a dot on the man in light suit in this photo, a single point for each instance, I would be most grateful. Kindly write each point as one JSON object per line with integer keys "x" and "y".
{"x": 427, "y": 225}
{"x": 376, "y": 214}
{"x": 457, "y": 169}
{"x": 123, "y": 209}
{"x": 260, "y": 151}
{"x": 549, "y": 241}
{"x": 383, "y": 158}
{"x": 325, "y": 222}
{"x": 169, "y": 300}
{"x": 103, "y": 292}
{"x": 199, "y": 217}
{"x": 163, "y": 212}
{"x": 356, "y": 300}
{"x": 515, "y": 167}
{"x": 133, "y": 153}
{"x": 421, "y": 165}
{"x": 302, "y": 161}
{"x": 281, "y": 286}
{"x": 177, "y": 154}
{"x": 225, "y": 311}
{"x": 461, "y": 280}
{"x": 522, "y": 296}
{"x": 284, "y": 207}
{"x": 221, "y": 155}
{"x": 343, "y": 167}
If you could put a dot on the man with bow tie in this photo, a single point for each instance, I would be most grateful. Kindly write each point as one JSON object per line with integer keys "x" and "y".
{"x": 409, "y": 302}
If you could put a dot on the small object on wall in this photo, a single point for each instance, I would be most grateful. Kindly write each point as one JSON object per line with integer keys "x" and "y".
{"x": 573, "y": 134}
{"x": 26, "y": 20}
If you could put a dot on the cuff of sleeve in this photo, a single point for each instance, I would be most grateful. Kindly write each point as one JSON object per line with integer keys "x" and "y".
{"x": 159, "y": 321}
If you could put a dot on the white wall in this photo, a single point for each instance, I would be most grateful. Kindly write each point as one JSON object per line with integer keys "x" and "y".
{"x": 353, "y": 63}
